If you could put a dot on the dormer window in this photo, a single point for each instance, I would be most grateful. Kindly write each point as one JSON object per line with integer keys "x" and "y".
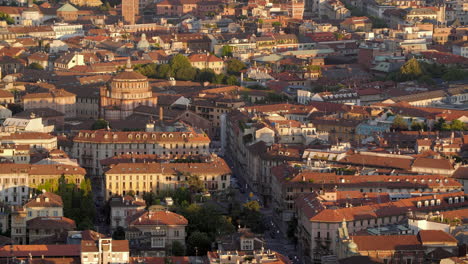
{"x": 438, "y": 202}
{"x": 114, "y": 136}
{"x": 456, "y": 199}
{"x": 163, "y": 135}
{"x": 432, "y": 202}
{"x": 419, "y": 204}
{"x": 130, "y": 136}
{"x": 184, "y": 136}
{"x": 171, "y": 136}
{"x": 145, "y": 136}
{"x": 426, "y": 203}
{"x": 137, "y": 136}
{"x": 462, "y": 199}
{"x": 153, "y": 136}
{"x": 450, "y": 200}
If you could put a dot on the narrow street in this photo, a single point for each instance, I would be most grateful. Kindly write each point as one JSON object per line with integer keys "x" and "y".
{"x": 275, "y": 237}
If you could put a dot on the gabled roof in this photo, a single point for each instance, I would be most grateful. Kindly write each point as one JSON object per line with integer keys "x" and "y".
{"x": 46, "y": 199}
{"x": 67, "y": 8}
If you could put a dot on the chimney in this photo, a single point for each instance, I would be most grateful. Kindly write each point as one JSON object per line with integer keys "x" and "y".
{"x": 161, "y": 114}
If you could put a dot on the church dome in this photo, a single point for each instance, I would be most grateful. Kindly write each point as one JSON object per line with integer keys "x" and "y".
{"x": 129, "y": 74}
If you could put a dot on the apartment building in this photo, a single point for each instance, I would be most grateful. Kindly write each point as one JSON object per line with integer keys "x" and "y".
{"x": 18, "y": 180}
{"x": 155, "y": 177}
{"x": 104, "y": 251}
{"x": 123, "y": 207}
{"x": 91, "y": 146}
{"x": 318, "y": 226}
{"x": 155, "y": 230}
{"x": 33, "y": 140}
{"x": 57, "y": 99}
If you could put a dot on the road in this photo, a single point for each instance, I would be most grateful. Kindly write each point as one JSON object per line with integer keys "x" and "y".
{"x": 275, "y": 238}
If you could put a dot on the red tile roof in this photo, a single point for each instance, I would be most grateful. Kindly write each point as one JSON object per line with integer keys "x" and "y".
{"x": 40, "y": 250}
{"x": 387, "y": 243}
{"x": 431, "y": 237}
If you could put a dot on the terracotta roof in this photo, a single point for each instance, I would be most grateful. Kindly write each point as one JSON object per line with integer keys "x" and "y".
{"x": 157, "y": 218}
{"x": 130, "y": 75}
{"x": 26, "y": 251}
{"x": 110, "y": 137}
{"x": 203, "y": 58}
{"x": 431, "y": 237}
{"x": 378, "y": 161}
{"x": 444, "y": 164}
{"x": 26, "y": 136}
{"x": 218, "y": 166}
{"x": 42, "y": 169}
{"x": 461, "y": 173}
{"x": 46, "y": 199}
{"x": 5, "y": 94}
{"x": 51, "y": 94}
{"x": 63, "y": 223}
{"x": 387, "y": 243}
{"x": 396, "y": 208}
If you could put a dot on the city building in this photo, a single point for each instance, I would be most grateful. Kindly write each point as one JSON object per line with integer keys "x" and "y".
{"x": 126, "y": 91}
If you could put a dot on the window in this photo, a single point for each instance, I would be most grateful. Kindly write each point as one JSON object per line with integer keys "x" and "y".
{"x": 158, "y": 242}
{"x": 176, "y": 233}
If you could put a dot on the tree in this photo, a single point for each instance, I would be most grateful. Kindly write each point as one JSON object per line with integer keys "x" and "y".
{"x": 119, "y": 233}
{"x": 231, "y": 80}
{"x": 195, "y": 184}
{"x": 178, "y": 62}
{"x": 206, "y": 75}
{"x": 7, "y": 18}
{"x": 186, "y": 74}
{"x": 276, "y": 24}
{"x": 440, "y": 125}
{"x": 418, "y": 126}
{"x": 177, "y": 249}
{"x": 454, "y": 74}
{"x": 252, "y": 205}
{"x": 235, "y": 66}
{"x": 198, "y": 244}
{"x": 411, "y": 70}
{"x": 35, "y": 66}
{"x": 226, "y": 51}
{"x": 457, "y": 125}
{"x": 164, "y": 71}
{"x": 399, "y": 124}
{"x": 99, "y": 124}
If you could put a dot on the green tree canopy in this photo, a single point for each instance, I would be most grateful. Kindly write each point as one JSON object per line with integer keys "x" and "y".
{"x": 235, "y": 66}
{"x": 411, "y": 69}
{"x": 35, "y": 66}
{"x": 7, "y": 18}
{"x": 177, "y": 249}
{"x": 198, "y": 243}
{"x": 457, "y": 125}
{"x": 399, "y": 124}
{"x": 178, "y": 62}
{"x": 418, "y": 126}
{"x": 99, "y": 124}
{"x": 186, "y": 74}
{"x": 226, "y": 51}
